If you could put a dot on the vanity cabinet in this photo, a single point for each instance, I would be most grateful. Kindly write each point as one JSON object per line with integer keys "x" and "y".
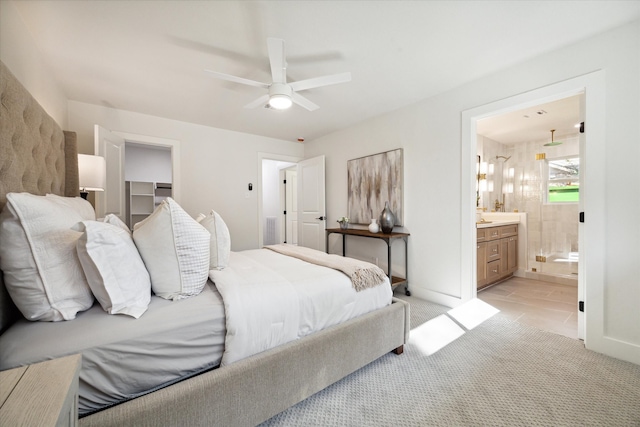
{"x": 497, "y": 252}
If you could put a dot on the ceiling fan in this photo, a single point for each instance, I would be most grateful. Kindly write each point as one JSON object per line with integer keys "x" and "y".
{"x": 281, "y": 94}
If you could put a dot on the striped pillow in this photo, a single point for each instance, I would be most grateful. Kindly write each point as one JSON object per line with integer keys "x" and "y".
{"x": 175, "y": 250}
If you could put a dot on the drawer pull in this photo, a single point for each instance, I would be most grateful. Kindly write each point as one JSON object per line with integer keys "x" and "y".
{"x": 495, "y": 271}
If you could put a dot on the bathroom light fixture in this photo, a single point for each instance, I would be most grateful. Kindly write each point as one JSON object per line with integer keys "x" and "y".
{"x": 91, "y": 173}
{"x": 552, "y": 143}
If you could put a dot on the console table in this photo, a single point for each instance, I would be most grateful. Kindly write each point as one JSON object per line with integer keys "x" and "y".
{"x": 389, "y": 238}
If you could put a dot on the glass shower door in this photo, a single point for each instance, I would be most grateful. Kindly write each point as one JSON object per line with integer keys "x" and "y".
{"x": 557, "y": 254}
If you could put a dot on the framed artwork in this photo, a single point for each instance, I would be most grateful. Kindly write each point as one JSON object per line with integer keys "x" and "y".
{"x": 372, "y": 181}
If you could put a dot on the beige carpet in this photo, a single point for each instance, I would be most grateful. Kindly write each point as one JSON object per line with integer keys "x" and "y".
{"x": 501, "y": 373}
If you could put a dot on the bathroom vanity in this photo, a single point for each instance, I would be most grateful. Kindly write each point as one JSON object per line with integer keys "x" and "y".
{"x": 497, "y": 247}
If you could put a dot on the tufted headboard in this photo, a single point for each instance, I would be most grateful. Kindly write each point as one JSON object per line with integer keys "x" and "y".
{"x": 36, "y": 156}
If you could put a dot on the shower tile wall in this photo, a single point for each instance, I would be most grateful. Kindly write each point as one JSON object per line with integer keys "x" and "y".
{"x": 558, "y": 223}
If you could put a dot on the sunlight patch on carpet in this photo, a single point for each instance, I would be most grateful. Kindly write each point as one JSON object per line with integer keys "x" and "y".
{"x": 435, "y": 334}
{"x": 472, "y": 313}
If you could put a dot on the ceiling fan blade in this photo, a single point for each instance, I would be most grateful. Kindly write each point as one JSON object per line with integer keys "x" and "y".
{"x": 236, "y": 79}
{"x": 303, "y": 102}
{"x": 258, "y": 102}
{"x": 321, "y": 81}
{"x": 277, "y": 60}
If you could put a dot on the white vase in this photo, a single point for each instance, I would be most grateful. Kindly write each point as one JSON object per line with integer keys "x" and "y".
{"x": 373, "y": 227}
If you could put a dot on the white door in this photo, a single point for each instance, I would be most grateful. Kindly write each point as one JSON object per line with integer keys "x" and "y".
{"x": 291, "y": 190}
{"x": 112, "y": 200}
{"x": 311, "y": 203}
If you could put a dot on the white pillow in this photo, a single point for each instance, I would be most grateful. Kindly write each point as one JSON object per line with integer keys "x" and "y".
{"x": 175, "y": 250}
{"x": 38, "y": 257}
{"x": 80, "y": 205}
{"x": 220, "y": 239}
{"x": 115, "y": 272}
{"x": 114, "y": 220}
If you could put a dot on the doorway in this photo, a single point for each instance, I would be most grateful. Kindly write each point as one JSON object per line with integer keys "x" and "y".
{"x": 310, "y": 191}
{"x": 112, "y": 146}
{"x": 591, "y": 266}
{"x": 148, "y": 179}
{"x": 531, "y": 163}
{"x": 278, "y": 213}
{"x": 273, "y": 223}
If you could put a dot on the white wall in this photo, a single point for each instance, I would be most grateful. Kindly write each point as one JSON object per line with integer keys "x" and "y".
{"x": 147, "y": 164}
{"x": 216, "y": 165}
{"x": 20, "y": 54}
{"x": 430, "y": 134}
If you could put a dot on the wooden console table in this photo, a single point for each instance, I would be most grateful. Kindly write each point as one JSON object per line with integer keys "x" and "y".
{"x": 389, "y": 239}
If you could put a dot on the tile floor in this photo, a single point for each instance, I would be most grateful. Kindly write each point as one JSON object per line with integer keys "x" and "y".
{"x": 548, "y": 306}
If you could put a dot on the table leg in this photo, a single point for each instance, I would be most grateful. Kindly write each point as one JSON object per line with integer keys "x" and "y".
{"x": 344, "y": 244}
{"x": 407, "y": 292}
{"x": 389, "y": 259}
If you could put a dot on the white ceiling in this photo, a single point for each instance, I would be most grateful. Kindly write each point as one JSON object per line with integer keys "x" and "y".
{"x": 533, "y": 123}
{"x": 149, "y": 56}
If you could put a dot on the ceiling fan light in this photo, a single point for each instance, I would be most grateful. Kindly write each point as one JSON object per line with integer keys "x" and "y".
{"x": 280, "y": 102}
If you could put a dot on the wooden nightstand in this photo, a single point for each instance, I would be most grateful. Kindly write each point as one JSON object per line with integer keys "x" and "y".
{"x": 42, "y": 394}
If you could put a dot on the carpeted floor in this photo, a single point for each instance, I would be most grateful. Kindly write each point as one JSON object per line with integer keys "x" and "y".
{"x": 500, "y": 373}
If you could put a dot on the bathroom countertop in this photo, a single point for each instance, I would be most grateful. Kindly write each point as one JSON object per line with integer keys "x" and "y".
{"x": 493, "y": 223}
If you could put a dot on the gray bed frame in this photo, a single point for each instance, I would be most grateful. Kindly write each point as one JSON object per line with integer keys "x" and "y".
{"x": 38, "y": 157}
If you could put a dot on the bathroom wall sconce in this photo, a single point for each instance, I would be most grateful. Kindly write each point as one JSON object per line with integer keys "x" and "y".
{"x": 91, "y": 173}
{"x": 481, "y": 170}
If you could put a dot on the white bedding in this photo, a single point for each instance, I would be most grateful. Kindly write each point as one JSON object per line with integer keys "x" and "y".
{"x": 271, "y": 299}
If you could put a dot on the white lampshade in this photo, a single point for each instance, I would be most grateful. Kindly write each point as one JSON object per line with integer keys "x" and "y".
{"x": 92, "y": 172}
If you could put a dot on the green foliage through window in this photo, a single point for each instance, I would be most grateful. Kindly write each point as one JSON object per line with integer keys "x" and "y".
{"x": 563, "y": 184}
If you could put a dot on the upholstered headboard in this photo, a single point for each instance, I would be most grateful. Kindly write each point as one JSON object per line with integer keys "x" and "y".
{"x": 36, "y": 156}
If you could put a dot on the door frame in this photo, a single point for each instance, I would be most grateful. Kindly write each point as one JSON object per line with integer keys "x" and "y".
{"x": 261, "y": 157}
{"x": 284, "y": 237}
{"x": 591, "y": 265}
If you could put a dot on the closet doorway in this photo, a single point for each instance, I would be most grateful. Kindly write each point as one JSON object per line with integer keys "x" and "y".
{"x": 112, "y": 146}
{"x": 148, "y": 179}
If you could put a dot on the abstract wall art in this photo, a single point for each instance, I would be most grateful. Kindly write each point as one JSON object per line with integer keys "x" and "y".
{"x": 372, "y": 181}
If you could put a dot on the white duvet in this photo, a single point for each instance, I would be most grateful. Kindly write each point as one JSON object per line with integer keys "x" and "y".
{"x": 271, "y": 299}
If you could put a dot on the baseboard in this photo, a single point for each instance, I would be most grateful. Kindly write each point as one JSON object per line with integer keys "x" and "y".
{"x": 436, "y": 297}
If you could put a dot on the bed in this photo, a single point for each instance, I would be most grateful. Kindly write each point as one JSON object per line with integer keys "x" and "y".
{"x": 39, "y": 158}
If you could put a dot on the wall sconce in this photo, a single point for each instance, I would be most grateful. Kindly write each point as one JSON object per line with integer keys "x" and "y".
{"x": 509, "y": 176}
{"x": 481, "y": 175}
{"x": 92, "y": 172}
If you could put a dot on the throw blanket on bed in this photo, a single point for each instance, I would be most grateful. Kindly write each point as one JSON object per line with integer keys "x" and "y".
{"x": 363, "y": 274}
{"x": 271, "y": 299}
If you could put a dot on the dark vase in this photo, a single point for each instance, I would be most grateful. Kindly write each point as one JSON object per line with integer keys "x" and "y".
{"x": 387, "y": 219}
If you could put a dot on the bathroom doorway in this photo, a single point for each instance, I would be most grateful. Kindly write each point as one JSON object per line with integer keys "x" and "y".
{"x": 532, "y": 159}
